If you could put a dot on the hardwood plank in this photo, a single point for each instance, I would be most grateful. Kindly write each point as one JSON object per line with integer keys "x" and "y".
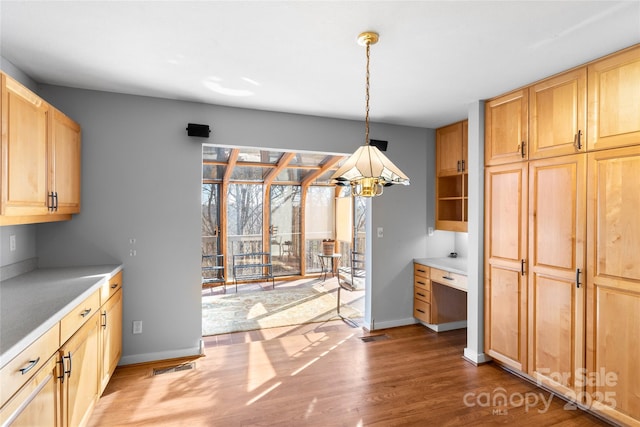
{"x": 328, "y": 376}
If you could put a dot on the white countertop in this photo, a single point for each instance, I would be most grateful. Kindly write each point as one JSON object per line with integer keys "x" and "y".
{"x": 33, "y": 302}
{"x": 452, "y": 265}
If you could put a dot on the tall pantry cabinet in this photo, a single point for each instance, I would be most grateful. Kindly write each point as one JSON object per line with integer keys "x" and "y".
{"x": 562, "y": 236}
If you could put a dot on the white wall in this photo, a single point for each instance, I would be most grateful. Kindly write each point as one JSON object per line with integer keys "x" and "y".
{"x": 141, "y": 179}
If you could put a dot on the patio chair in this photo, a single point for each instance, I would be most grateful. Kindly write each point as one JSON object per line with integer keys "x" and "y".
{"x": 351, "y": 278}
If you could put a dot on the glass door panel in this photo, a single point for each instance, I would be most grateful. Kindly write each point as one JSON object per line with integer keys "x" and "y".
{"x": 212, "y": 258}
{"x": 244, "y": 220}
{"x": 318, "y": 224}
{"x": 285, "y": 234}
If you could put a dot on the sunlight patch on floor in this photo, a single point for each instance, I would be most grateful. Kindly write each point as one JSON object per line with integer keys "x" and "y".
{"x": 264, "y": 393}
{"x": 258, "y": 372}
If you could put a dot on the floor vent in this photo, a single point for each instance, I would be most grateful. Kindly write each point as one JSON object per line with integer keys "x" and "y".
{"x": 372, "y": 338}
{"x": 176, "y": 368}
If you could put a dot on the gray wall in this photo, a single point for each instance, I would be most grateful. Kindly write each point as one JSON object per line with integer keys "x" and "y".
{"x": 141, "y": 180}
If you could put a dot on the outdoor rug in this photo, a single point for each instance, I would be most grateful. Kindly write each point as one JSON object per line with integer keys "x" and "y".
{"x": 268, "y": 309}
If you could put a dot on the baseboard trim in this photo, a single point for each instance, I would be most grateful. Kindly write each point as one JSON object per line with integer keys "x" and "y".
{"x": 161, "y": 355}
{"x": 476, "y": 358}
{"x": 392, "y": 323}
{"x": 442, "y": 327}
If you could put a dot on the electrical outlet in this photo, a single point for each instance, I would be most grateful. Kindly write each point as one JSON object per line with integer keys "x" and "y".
{"x": 137, "y": 326}
{"x": 380, "y": 232}
{"x": 12, "y": 243}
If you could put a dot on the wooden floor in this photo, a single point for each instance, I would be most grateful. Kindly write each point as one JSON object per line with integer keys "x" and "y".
{"x": 326, "y": 375}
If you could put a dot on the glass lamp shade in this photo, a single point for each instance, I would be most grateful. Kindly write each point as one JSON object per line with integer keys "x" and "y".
{"x": 368, "y": 171}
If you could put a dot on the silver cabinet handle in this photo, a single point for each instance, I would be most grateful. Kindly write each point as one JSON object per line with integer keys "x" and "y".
{"x": 30, "y": 366}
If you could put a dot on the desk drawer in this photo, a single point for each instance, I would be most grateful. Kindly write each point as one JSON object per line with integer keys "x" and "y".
{"x": 110, "y": 288}
{"x": 421, "y": 294}
{"x": 453, "y": 280}
{"x": 25, "y": 365}
{"x": 422, "y": 310}
{"x": 78, "y": 316}
{"x": 420, "y": 282}
{"x": 420, "y": 270}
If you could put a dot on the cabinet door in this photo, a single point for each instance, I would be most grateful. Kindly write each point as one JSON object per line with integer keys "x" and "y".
{"x": 558, "y": 115}
{"x": 613, "y": 283}
{"x": 451, "y": 177}
{"x": 111, "y": 337}
{"x": 64, "y": 163}
{"x": 505, "y": 283}
{"x": 556, "y": 255}
{"x": 507, "y": 128}
{"x": 80, "y": 386}
{"x": 614, "y": 106}
{"x": 24, "y": 151}
{"x": 449, "y": 149}
{"x": 38, "y": 401}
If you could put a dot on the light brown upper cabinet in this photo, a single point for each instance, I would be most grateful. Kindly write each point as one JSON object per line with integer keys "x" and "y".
{"x": 452, "y": 177}
{"x": 558, "y": 115}
{"x": 40, "y": 158}
{"x": 507, "y": 128}
{"x": 25, "y": 119}
{"x": 64, "y": 168}
{"x": 614, "y": 100}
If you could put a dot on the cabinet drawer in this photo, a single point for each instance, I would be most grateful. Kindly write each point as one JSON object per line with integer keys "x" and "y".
{"x": 422, "y": 310}
{"x": 421, "y": 294}
{"x": 35, "y": 404}
{"x": 78, "y": 316}
{"x": 422, "y": 283}
{"x": 108, "y": 289}
{"x": 24, "y": 366}
{"x": 420, "y": 270}
{"x": 457, "y": 281}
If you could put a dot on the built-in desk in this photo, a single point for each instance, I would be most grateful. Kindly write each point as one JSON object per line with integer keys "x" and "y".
{"x": 440, "y": 293}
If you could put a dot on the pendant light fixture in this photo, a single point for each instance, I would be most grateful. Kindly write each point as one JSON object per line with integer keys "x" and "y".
{"x": 368, "y": 170}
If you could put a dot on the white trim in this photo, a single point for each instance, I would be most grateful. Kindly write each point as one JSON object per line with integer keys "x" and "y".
{"x": 393, "y": 323}
{"x": 476, "y": 358}
{"x": 161, "y": 355}
{"x": 442, "y": 327}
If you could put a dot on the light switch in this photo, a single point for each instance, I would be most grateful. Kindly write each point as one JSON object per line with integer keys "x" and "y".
{"x": 380, "y": 232}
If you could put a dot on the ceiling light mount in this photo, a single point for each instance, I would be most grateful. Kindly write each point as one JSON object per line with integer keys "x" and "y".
{"x": 368, "y": 38}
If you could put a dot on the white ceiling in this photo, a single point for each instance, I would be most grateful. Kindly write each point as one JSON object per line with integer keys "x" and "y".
{"x": 433, "y": 58}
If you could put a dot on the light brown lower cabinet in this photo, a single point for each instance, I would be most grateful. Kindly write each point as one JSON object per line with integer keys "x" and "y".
{"x": 613, "y": 284}
{"x": 555, "y": 270}
{"x": 38, "y": 401}
{"x": 438, "y": 295}
{"x": 505, "y": 284}
{"x": 562, "y": 276}
{"x": 110, "y": 337}
{"x": 64, "y": 390}
{"x": 421, "y": 293}
{"x": 79, "y": 380}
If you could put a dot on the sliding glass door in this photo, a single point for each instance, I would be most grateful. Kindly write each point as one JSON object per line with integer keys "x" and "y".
{"x": 285, "y": 229}
{"x": 244, "y": 220}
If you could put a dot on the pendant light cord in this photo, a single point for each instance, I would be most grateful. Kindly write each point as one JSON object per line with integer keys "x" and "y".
{"x": 366, "y": 119}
